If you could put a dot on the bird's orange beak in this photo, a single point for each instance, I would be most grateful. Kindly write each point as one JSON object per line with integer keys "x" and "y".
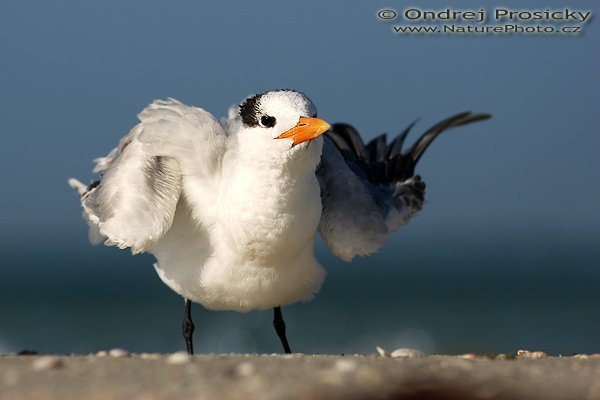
{"x": 305, "y": 129}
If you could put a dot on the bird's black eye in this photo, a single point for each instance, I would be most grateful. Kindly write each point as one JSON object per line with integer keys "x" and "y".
{"x": 267, "y": 121}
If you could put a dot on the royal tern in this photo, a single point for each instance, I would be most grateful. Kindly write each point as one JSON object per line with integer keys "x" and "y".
{"x": 230, "y": 209}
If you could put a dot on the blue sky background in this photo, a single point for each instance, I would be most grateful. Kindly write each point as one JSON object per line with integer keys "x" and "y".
{"x": 74, "y": 74}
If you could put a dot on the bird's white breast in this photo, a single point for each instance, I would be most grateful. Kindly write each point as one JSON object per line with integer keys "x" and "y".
{"x": 262, "y": 241}
{"x": 268, "y": 217}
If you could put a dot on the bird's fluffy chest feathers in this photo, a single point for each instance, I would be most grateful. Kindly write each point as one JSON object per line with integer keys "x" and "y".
{"x": 258, "y": 251}
{"x": 268, "y": 215}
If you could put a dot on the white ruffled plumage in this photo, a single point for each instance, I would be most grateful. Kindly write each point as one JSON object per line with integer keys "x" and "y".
{"x": 230, "y": 210}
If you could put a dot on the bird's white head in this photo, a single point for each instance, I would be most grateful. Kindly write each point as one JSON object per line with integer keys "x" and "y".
{"x": 286, "y": 115}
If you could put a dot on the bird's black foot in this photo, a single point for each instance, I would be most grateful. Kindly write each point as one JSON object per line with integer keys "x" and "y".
{"x": 188, "y": 327}
{"x": 279, "y": 325}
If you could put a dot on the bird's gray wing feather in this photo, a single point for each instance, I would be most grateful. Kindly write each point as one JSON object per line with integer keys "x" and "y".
{"x": 369, "y": 191}
{"x": 134, "y": 202}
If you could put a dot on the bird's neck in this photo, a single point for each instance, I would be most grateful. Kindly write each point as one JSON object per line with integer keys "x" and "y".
{"x": 278, "y": 156}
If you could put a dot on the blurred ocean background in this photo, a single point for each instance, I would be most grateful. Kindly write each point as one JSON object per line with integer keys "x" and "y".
{"x": 440, "y": 292}
{"x": 505, "y": 255}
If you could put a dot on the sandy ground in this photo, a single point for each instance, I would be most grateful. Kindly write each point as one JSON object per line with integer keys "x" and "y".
{"x": 119, "y": 375}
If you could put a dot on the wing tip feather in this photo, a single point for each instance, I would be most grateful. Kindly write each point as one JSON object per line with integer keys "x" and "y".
{"x": 79, "y": 187}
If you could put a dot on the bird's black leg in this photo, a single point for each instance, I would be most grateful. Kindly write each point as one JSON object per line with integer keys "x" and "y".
{"x": 279, "y": 325}
{"x": 188, "y": 327}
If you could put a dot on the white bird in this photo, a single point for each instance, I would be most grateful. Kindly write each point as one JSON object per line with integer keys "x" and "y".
{"x": 230, "y": 209}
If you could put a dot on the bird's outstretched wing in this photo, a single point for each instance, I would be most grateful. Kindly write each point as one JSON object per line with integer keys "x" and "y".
{"x": 142, "y": 180}
{"x": 369, "y": 191}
